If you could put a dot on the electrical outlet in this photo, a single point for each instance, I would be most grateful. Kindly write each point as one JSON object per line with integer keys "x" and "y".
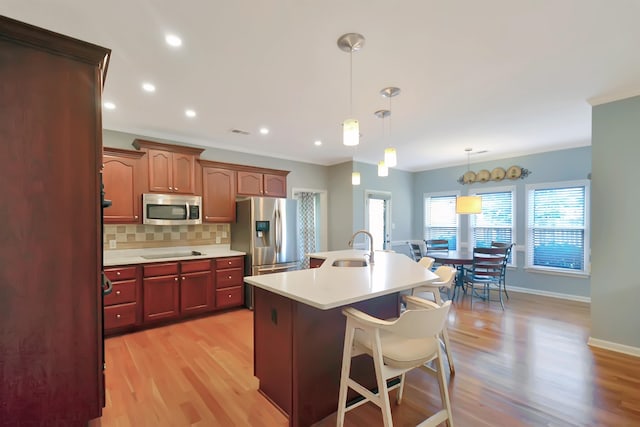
{"x": 112, "y": 244}
{"x": 218, "y": 240}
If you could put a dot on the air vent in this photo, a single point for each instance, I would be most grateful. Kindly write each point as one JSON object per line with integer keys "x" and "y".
{"x": 240, "y": 132}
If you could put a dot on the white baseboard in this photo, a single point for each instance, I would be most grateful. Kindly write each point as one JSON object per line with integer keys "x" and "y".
{"x": 612, "y": 346}
{"x": 548, "y": 294}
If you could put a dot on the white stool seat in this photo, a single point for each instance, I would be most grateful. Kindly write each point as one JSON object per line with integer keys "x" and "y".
{"x": 396, "y": 346}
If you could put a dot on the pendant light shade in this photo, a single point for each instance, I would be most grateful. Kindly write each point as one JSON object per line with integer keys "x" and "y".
{"x": 469, "y": 205}
{"x": 350, "y": 132}
{"x": 351, "y": 42}
{"x": 355, "y": 178}
{"x": 383, "y": 170}
{"x": 390, "y": 158}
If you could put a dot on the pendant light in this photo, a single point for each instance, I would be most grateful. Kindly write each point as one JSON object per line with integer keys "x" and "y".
{"x": 383, "y": 169}
{"x": 468, "y": 204}
{"x": 390, "y": 157}
{"x": 351, "y": 42}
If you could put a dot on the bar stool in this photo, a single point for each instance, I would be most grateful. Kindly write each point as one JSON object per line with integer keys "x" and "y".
{"x": 446, "y": 276}
{"x": 397, "y": 346}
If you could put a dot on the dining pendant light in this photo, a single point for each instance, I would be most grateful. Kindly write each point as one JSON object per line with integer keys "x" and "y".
{"x": 351, "y": 42}
{"x": 390, "y": 156}
{"x": 468, "y": 204}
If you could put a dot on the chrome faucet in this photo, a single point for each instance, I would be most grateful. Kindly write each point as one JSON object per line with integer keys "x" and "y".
{"x": 370, "y": 242}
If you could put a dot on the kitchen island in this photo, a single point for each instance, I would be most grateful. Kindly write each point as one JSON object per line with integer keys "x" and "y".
{"x": 299, "y": 326}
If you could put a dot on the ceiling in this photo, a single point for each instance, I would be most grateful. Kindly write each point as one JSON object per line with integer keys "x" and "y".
{"x": 507, "y": 77}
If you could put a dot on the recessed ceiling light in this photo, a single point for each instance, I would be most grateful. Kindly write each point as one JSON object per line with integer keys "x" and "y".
{"x": 148, "y": 87}
{"x": 264, "y": 131}
{"x": 318, "y": 143}
{"x": 173, "y": 40}
{"x": 189, "y": 113}
{"x": 109, "y": 105}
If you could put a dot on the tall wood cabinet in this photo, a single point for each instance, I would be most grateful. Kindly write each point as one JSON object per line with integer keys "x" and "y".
{"x": 51, "y": 341}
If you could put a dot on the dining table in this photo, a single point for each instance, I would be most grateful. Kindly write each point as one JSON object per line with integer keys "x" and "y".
{"x": 457, "y": 258}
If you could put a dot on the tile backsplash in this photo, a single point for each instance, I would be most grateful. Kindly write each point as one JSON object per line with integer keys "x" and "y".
{"x": 137, "y": 236}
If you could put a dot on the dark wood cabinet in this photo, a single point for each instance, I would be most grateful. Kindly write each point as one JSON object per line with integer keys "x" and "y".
{"x": 229, "y": 282}
{"x": 121, "y": 306}
{"x": 218, "y": 194}
{"x": 161, "y": 292}
{"x": 51, "y": 335}
{"x": 123, "y": 185}
{"x": 196, "y": 288}
{"x": 262, "y": 182}
{"x": 274, "y": 185}
{"x": 315, "y": 262}
{"x": 171, "y": 168}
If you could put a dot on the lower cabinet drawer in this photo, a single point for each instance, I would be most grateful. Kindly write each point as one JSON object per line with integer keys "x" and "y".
{"x": 229, "y": 297}
{"x": 123, "y": 291}
{"x": 120, "y": 315}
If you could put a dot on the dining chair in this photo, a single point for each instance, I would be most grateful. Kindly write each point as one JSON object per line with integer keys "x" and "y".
{"x": 416, "y": 251}
{"x": 485, "y": 273}
{"x": 446, "y": 277}
{"x": 434, "y": 245}
{"x": 509, "y": 247}
{"x": 396, "y": 347}
{"x": 426, "y": 262}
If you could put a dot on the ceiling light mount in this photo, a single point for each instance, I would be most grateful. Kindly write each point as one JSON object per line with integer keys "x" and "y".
{"x": 390, "y": 92}
{"x": 381, "y": 114}
{"x": 351, "y": 42}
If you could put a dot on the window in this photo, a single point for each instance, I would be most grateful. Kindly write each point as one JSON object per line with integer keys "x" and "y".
{"x": 558, "y": 226}
{"x": 440, "y": 218}
{"x": 496, "y": 222}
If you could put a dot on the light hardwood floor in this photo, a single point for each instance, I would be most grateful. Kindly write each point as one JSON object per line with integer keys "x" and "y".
{"x": 526, "y": 366}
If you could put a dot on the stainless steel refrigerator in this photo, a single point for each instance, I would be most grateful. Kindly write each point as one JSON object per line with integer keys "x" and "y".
{"x": 266, "y": 230}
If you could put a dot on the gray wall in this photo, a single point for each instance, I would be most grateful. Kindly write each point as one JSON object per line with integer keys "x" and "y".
{"x": 552, "y": 166}
{"x": 340, "y": 206}
{"x": 615, "y": 290}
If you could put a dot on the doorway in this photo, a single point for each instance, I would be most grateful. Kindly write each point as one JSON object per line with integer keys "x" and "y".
{"x": 378, "y": 218}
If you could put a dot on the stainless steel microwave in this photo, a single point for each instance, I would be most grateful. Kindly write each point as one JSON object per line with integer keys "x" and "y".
{"x": 171, "y": 209}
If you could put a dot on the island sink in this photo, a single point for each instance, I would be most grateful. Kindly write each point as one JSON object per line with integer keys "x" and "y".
{"x": 350, "y": 263}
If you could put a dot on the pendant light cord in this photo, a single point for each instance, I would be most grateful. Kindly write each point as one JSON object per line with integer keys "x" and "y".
{"x": 351, "y": 82}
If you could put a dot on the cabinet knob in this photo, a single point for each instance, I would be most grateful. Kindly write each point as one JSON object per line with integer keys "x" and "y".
{"x": 229, "y": 295}
{"x": 118, "y": 316}
{"x": 175, "y": 189}
{"x": 229, "y": 277}
{"x": 229, "y": 262}
{"x": 117, "y": 292}
{"x": 176, "y": 279}
{"x": 135, "y": 217}
{"x": 117, "y": 273}
{"x": 170, "y": 188}
{"x": 184, "y": 278}
{"x": 206, "y": 217}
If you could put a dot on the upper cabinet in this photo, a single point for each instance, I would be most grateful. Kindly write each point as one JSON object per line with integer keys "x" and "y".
{"x": 123, "y": 183}
{"x": 172, "y": 168}
{"x": 218, "y": 193}
{"x": 262, "y": 182}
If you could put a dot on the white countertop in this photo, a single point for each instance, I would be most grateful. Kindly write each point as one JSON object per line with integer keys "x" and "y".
{"x": 135, "y": 256}
{"x": 328, "y": 287}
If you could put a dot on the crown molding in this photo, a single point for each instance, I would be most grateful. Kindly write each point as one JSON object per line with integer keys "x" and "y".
{"x": 613, "y": 96}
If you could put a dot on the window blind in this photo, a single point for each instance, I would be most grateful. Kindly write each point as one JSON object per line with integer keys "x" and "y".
{"x": 441, "y": 220}
{"x": 557, "y": 227}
